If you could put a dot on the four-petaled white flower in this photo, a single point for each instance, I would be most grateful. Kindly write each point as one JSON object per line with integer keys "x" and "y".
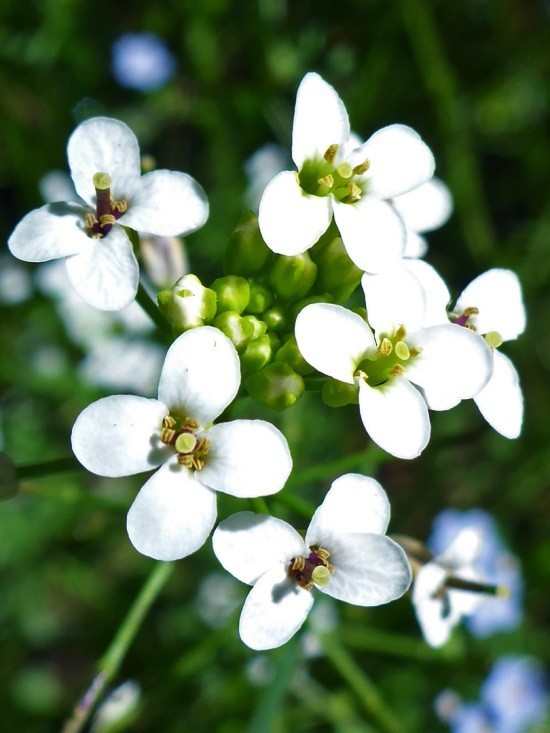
{"x": 345, "y": 554}
{"x": 440, "y": 592}
{"x": 104, "y": 160}
{"x": 122, "y": 435}
{"x": 335, "y": 177}
{"x": 388, "y": 368}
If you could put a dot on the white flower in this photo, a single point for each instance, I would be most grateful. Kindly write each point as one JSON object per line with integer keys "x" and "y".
{"x": 388, "y": 368}
{"x": 492, "y": 305}
{"x": 122, "y": 435}
{"x": 438, "y": 599}
{"x": 345, "y": 555}
{"x": 104, "y": 161}
{"x": 335, "y": 177}
{"x": 423, "y": 209}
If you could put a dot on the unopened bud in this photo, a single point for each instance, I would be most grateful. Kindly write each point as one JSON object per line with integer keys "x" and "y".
{"x": 261, "y": 298}
{"x": 277, "y": 386}
{"x": 233, "y": 293}
{"x": 259, "y": 327}
{"x": 246, "y": 253}
{"x": 289, "y": 353}
{"x": 275, "y": 319}
{"x": 257, "y": 355}
{"x": 336, "y": 273}
{"x": 339, "y": 394}
{"x": 238, "y": 330}
{"x": 188, "y": 304}
{"x": 292, "y": 277}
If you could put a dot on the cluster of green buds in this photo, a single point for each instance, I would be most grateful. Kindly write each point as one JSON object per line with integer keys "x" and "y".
{"x": 256, "y": 302}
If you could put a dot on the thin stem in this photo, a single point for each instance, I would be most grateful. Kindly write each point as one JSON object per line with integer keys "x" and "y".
{"x": 367, "y": 460}
{"x": 396, "y": 645}
{"x": 150, "y": 307}
{"x": 295, "y": 504}
{"x": 260, "y": 505}
{"x": 36, "y": 470}
{"x": 109, "y": 664}
{"x": 361, "y": 684}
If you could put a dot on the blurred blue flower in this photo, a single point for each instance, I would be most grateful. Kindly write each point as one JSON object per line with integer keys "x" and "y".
{"x": 470, "y": 718}
{"x": 141, "y": 61}
{"x": 495, "y": 563}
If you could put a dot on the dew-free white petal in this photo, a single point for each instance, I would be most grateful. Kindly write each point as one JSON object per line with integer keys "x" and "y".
{"x": 498, "y": 296}
{"x": 104, "y": 145}
{"x": 320, "y": 119}
{"x": 120, "y": 435}
{"x": 275, "y": 609}
{"x": 172, "y": 515}
{"x": 248, "y": 544}
{"x": 53, "y": 231}
{"x": 354, "y": 503}
{"x": 399, "y": 161}
{"x": 394, "y": 298}
{"x": 247, "y": 458}
{"x": 105, "y": 273}
{"x": 454, "y": 361}
{"x": 201, "y": 374}
{"x": 501, "y": 401}
{"x": 373, "y": 233}
{"x": 290, "y": 220}
{"x": 167, "y": 204}
{"x": 369, "y": 569}
{"x": 333, "y": 339}
{"x": 435, "y": 620}
{"x": 416, "y": 245}
{"x": 436, "y": 291}
{"x": 439, "y": 401}
{"x": 395, "y": 416}
{"x": 427, "y": 207}
{"x": 464, "y": 549}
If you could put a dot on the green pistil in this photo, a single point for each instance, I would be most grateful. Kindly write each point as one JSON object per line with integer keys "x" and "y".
{"x": 391, "y": 358}
{"x": 320, "y": 177}
{"x": 185, "y": 443}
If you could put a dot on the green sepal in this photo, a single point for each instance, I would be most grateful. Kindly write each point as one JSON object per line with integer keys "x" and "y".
{"x": 261, "y": 298}
{"x": 238, "y": 330}
{"x": 289, "y": 353}
{"x": 339, "y": 394}
{"x": 277, "y": 386}
{"x": 257, "y": 355}
{"x": 246, "y": 253}
{"x": 259, "y": 326}
{"x": 233, "y": 293}
{"x": 292, "y": 277}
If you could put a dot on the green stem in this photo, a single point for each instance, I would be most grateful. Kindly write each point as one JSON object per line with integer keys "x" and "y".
{"x": 150, "y": 307}
{"x": 36, "y": 470}
{"x": 361, "y": 684}
{"x": 397, "y": 645}
{"x": 366, "y": 461}
{"x": 109, "y": 664}
{"x": 463, "y": 170}
{"x": 260, "y": 505}
{"x": 295, "y": 504}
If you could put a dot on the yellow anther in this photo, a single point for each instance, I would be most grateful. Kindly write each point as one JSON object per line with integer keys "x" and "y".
{"x": 354, "y": 192}
{"x": 326, "y": 181}
{"x": 298, "y": 563}
{"x": 321, "y": 575}
{"x": 396, "y": 371}
{"x": 470, "y": 311}
{"x": 415, "y": 350}
{"x": 321, "y": 553}
{"x": 494, "y": 339}
{"x": 362, "y": 168}
{"x": 168, "y": 422}
{"x": 190, "y": 424}
{"x": 167, "y": 435}
{"x": 101, "y": 181}
{"x": 120, "y": 206}
{"x": 402, "y": 350}
{"x": 90, "y": 220}
{"x": 400, "y": 333}
{"x": 106, "y": 219}
{"x": 344, "y": 170}
{"x": 385, "y": 347}
{"x": 330, "y": 153}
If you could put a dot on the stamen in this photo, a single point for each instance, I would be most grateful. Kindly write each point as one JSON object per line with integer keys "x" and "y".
{"x": 106, "y": 219}
{"x": 314, "y": 568}
{"x": 330, "y": 153}
{"x": 385, "y": 347}
{"x": 326, "y": 181}
{"x": 362, "y": 168}
{"x": 354, "y": 193}
{"x": 400, "y": 333}
{"x": 396, "y": 371}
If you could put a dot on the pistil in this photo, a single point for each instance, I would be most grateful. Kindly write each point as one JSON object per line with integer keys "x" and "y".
{"x": 315, "y": 568}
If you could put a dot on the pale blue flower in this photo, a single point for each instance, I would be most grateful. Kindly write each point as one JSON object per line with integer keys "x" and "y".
{"x": 142, "y": 61}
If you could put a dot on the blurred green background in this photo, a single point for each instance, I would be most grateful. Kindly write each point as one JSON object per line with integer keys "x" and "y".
{"x": 472, "y": 78}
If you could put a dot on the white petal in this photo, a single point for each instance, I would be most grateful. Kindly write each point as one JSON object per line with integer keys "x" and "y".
{"x": 106, "y": 273}
{"x": 290, "y": 220}
{"x": 426, "y": 207}
{"x": 497, "y": 295}
{"x": 439, "y": 401}
{"x": 501, "y": 401}
{"x": 120, "y": 436}
{"x": 320, "y": 119}
{"x": 436, "y": 621}
{"x": 464, "y": 549}
{"x": 394, "y": 298}
{"x": 246, "y": 458}
{"x": 369, "y": 569}
{"x": 354, "y": 503}
{"x": 248, "y": 544}
{"x": 436, "y": 291}
{"x": 168, "y": 204}
{"x": 104, "y": 145}
{"x": 54, "y": 230}
{"x": 172, "y": 515}
{"x": 373, "y": 233}
{"x": 274, "y": 611}
{"x": 416, "y": 245}
{"x": 395, "y": 416}
{"x": 454, "y": 360}
{"x": 333, "y": 339}
{"x": 399, "y": 161}
{"x": 201, "y": 374}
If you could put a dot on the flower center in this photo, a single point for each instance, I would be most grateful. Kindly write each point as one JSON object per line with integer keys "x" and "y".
{"x": 182, "y": 434}
{"x": 389, "y": 360}
{"x": 107, "y": 210}
{"x": 315, "y": 568}
{"x": 321, "y": 177}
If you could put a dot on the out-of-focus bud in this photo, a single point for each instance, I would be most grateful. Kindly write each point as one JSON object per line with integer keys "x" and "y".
{"x": 336, "y": 273}
{"x": 290, "y": 354}
{"x": 275, "y": 319}
{"x": 233, "y": 293}
{"x": 259, "y": 326}
{"x": 238, "y": 330}
{"x": 292, "y": 277}
{"x": 260, "y": 298}
{"x": 9, "y": 485}
{"x": 164, "y": 259}
{"x": 187, "y": 304}
{"x": 119, "y": 710}
{"x": 277, "y": 386}
{"x": 338, "y": 394}
{"x": 257, "y": 355}
{"x": 246, "y": 252}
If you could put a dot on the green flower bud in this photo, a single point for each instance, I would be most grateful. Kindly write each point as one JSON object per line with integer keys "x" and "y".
{"x": 187, "y": 304}
{"x": 233, "y": 293}
{"x": 276, "y": 386}
{"x": 275, "y": 319}
{"x": 297, "y": 307}
{"x": 238, "y": 330}
{"x": 336, "y": 273}
{"x": 256, "y": 355}
{"x": 275, "y": 342}
{"x": 290, "y": 354}
{"x": 246, "y": 253}
{"x": 260, "y": 298}
{"x": 259, "y": 326}
{"x": 292, "y": 277}
{"x": 338, "y": 394}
